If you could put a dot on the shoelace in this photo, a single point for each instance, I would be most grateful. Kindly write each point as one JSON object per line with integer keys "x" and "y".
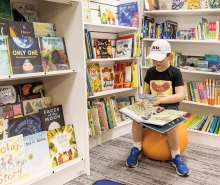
{"x": 180, "y": 161}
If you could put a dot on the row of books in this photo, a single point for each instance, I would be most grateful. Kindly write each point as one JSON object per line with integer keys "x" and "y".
{"x": 203, "y": 92}
{"x": 206, "y": 123}
{"x": 103, "y": 114}
{"x": 126, "y": 45}
{"x": 107, "y": 77}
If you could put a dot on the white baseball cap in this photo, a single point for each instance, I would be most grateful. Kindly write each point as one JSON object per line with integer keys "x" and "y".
{"x": 159, "y": 50}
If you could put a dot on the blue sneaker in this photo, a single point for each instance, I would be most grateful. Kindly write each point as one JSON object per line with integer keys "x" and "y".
{"x": 181, "y": 168}
{"x": 132, "y": 160}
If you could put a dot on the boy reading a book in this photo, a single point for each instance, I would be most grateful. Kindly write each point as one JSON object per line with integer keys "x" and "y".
{"x": 166, "y": 82}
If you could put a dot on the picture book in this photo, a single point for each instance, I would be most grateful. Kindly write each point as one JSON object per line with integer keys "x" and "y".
{"x": 52, "y": 117}
{"x": 53, "y": 54}
{"x": 26, "y": 125}
{"x": 107, "y": 15}
{"x": 24, "y": 12}
{"x": 4, "y": 59}
{"x": 213, "y": 4}
{"x": 62, "y": 145}
{"x": 13, "y": 162}
{"x": 123, "y": 47}
{"x": 2, "y": 129}
{"x": 107, "y": 77}
{"x": 37, "y": 152}
{"x": 193, "y": 4}
{"x": 29, "y": 91}
{"x": 5, "y": 12}
{"x": 177, "y": 4}
{"x": 4, "y": 27}
{"x": 128, "y": 14}
{"x": 9, "y": 94}
{"x": 87, "y": 11}
{"x": 103, "y": 48}
{"x": 152, "y": 5}
{"x": 21, "y": 29}
{"x": 11, "y": 111}
{"x": 44, "y": 29}
{"x": 25, "y": 55}
{"x": 33, "y": 106}
{"x": 170, "y": 29}
{"x": 95, "y": 76}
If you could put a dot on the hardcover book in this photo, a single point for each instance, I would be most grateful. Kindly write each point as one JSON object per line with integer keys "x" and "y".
{"x": 37, "y": 152}
{"x": 13, "y": 162}
{"x": 11, "y": 111}
{"x": 5, "y": 12}
{"x": 44, "y": 29}
{"x": 9, "y": 94}
{"x": 4, "y": 27}
{"x": 25, "y": 55}
{"x": 24, "y": 12}
{"x": 53, "y": 54}
{"x": 107, "y": 77}
{"x": 62, "y": 145}
{"x": 4, "y": 60}
{"x": 123, "y": 47}
{"x": 107, "y": 15}
{"x": 95, "y": 76}
{"x": 26, "y": 125}
{"x": 52, "y": 117}
{"x": 103, "y": 48}
{"x": 21, "y": 29}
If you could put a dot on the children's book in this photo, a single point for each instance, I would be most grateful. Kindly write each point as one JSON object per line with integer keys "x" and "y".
{"x": 51, "y": 117}
{"x": 33, "y": 106}
{"x": 11, "y": 111}
{"x": 13, "y": 162}
{"x": 62, "y": 145}
{"x": 107, "y": 77}
{"x": 25, "y": 55}
{"x": 21, "y": 29}
{"x": 177, "y": 4}
{"x": 4, "y": 59}
{"x": 24, "y": 12}
{"x": 87, "y": 11}
{"x": 123, "y": 47}
{"x": 9, "y": 94}
{"x": 26, "y": 125}
{"x": 5, "y": 12}
{"x": 53, "y": 54}
{"x": 37, "y": 152}
{"x": 29, "y": 91}
{"x": 95, "y": 76}
{"x": 128, "y": 14}
{"x": 4, "y": 27}
{"x": 44, "y": 29}
{"x": 103, "y": 48}
{"x": 107, "y": 15}
{"x": 193, "y": 4}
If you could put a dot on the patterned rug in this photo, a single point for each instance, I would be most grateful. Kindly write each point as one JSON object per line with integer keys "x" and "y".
{"x": 108, "y": 162}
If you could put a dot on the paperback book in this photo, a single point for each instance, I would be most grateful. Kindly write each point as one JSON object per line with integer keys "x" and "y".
{"x": 107, "y": 14}
{"x": 21, "y": 29}
{"x": 44, "y": 29}
{"x": 5, "y": 12}
{"x": 4, "y": 27}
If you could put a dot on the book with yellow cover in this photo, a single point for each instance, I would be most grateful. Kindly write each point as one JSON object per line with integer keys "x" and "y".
{"x": 95, "y": 76}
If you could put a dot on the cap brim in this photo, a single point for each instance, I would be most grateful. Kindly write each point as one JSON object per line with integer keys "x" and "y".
{"x": 157, "y": 56}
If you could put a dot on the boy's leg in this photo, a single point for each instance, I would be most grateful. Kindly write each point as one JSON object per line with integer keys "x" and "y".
{"x": 137, "y": 133}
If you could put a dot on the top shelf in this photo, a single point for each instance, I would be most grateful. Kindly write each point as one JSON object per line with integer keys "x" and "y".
{"x": 108, "y": 28}
{"x": 64, "y": 1}
{"x": 199, "y": 12}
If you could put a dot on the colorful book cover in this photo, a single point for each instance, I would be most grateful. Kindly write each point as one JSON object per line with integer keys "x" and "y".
{"x": 123, "y": 47}
{"x": 21, "y": 29}
{"x": 95, "y": 76}
{"x": 107, "y": 77}
{"x": 29, "y": 91}
{"x": 33, "y": 106}
{"x": 26, "y": 125}
{"x": 62, "y": 145}
{"x": 193, "y": 4}
{"x": 4, "y": 60}
{"x": 4, "y": 27}
{"x": 177, "y": 4}
{"x": 153, "y": 5}
{"x": 11, "y": 111}
{"x": 37, "y": 152}
{"x": 87, "y": 11}
{"x": 128, "y": 14}
{"x": 2, "y": 129}
{"x": 107, "y": 15}
{"x": 103, "y": 48}
{"x": 9, "y": 94}
{"x": 53, "y": 54}
{"x": 52, "y": 117}
{"x": 13, "y": 162}
{"x": 44, "y": 29}
{"x": 5, "y": 12}
{"x": 25, "y": 55}
{"x": 24, "y": 12}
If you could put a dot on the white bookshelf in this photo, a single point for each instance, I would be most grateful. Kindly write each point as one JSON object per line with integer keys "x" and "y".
{"x": 100, "y": 60}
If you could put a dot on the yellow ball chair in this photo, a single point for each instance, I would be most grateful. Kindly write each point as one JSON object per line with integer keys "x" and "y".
{"x": 155, "y": 145}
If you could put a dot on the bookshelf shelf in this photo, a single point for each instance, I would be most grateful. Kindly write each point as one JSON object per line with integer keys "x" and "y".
{"x": 199, "y": 12}
{"x": 113, "y": 91}
{"x": 200, "y": 104}
{"x": 109, "y": 60}
{"x": 64, "y": 1}
{"x": 108, "y": 28}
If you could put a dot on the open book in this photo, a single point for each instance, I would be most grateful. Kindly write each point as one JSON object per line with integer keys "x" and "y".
{"x": 160, "y": 122}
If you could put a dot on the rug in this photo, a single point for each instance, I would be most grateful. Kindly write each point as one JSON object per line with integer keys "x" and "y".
{"x": 106, "y": 182}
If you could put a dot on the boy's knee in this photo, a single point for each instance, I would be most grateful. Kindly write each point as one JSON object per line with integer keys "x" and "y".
{"x": 172, "y": 131}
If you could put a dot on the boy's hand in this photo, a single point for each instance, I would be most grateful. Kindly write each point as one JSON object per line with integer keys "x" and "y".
{"x": 157, "y": 102}
{"x": 139, "y": 102}
{"x": 160, "y": 109}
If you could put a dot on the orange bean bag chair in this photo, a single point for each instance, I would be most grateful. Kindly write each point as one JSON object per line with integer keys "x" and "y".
{"x": 155, "y": 145}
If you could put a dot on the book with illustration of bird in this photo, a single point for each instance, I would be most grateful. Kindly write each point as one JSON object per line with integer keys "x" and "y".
{"x": 62, "y": 145}
{"x": 53, "y": 54}
{"x": 107, "y": 15}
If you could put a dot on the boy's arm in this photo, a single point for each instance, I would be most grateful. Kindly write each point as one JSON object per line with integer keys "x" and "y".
{"x": 147, "y": 88}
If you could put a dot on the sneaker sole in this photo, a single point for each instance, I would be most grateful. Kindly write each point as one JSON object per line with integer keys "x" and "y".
{"x": 183, "y": 175}
{"x": 134, "y": 165}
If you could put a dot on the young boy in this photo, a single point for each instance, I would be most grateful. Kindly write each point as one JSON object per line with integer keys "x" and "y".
{"x": 165, "y": 81}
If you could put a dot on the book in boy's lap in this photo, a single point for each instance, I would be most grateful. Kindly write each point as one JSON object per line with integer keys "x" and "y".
{"x": 160, "y": 122}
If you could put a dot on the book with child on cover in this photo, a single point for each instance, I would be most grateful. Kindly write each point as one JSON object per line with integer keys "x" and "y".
{"x": 160, "y": 122}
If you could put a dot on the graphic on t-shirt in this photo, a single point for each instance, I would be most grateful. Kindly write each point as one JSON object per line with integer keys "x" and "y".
{"x": 161, "y": 88}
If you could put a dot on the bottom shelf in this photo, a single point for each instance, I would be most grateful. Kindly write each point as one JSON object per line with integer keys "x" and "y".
{"x": 59, "y": 175}
{"x": 123, "y": 128}
{"x": 204, "y": 138}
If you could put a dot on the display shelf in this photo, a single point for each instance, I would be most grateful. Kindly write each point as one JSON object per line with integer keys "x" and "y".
{"x": 64, "y": 1}
{"x": 200, "y": 104}
{"x": 108, "y": 92}
{"x": 199, "y": 12}
{"x": 123, "y": 128}
{"x": 108, "y": 28}
{"x": 109, "y": 60}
